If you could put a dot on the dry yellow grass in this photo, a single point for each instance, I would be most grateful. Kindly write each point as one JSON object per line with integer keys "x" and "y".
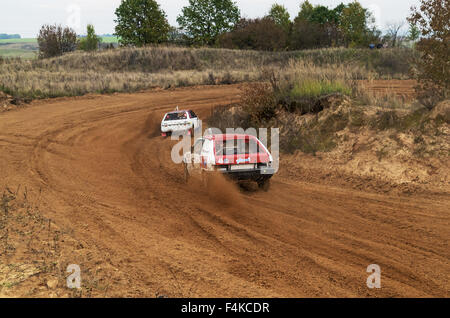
{"x": 131, "y": 69}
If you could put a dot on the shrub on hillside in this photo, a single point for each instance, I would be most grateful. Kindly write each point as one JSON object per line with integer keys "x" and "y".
{"x": 54, "y": 40}
{"x": 259, "y": 102}
{"x": 309, "y": 35}
{"x": 228, "y": 117}
{"x": 91, "y": 42}
{"x": 255, "y": 34}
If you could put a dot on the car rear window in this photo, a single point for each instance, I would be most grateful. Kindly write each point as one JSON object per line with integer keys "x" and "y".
{"x": 237, "y": 147}
{"x": 176, "y": 116}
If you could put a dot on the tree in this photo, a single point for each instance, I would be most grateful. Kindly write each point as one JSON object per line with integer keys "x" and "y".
{"x": 306, "y": 11}
{"x": 337, "y": 12}
{"x": 141, "y": 22}
{"x": 322, "y": 15}
{"x": 392, "y": 32}
{"x": 372, "y": 36}
{"x": 413, "y": 32}
{"x": 354, "y": 24}
{"x": 317, "y": 26}
{"x": 205, "y": 20}
{"x": 54, "y": 40}
{"x": 433, "y": 21}
{"x": 91, "y": 42}
{"x": 257, "y": 34}
{"x": 308, "y": 35}
{"x": 280, "y": 15}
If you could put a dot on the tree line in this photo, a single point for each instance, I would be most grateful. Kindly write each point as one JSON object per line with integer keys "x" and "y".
{"x": 218, "y": 23}
{"x": 4, "y": 36}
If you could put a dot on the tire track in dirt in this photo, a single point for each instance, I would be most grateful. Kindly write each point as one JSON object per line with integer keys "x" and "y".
{"x": 106, "y": 174}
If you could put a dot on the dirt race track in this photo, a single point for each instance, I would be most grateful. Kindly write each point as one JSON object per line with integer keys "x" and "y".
{"x": 401, "y": 88}
{"x": 107, "y": 175}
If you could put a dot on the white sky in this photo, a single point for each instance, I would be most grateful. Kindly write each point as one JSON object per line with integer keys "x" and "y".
{"x": 25, "y": 17}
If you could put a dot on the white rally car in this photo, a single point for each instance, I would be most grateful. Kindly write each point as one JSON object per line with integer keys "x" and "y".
{"x": 237, "y": 156}
{"x": 179, "y": 121}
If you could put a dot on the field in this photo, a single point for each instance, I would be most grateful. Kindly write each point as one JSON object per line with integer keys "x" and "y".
{"x": 27, "y": 48}
{"x": 110, "y": 39}
{"x": 24, "y": 50}
{"x": 13, "y": 41}
{"x": 86, "y": 178}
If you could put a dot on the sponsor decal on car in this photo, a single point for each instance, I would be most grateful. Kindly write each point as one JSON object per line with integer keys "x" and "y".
{"x": 242, "y": 160}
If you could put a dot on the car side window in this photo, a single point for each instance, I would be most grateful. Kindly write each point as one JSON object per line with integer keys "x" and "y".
{"x": 192, "y": 114}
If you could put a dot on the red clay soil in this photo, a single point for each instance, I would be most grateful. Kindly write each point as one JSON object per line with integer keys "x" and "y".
{"x": 106, "y": 175}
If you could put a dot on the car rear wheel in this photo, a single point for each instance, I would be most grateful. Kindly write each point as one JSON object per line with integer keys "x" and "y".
{"x": 264, "y": 185}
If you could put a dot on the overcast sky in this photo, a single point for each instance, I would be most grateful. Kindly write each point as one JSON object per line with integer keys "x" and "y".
{"x": 26, "y": 16}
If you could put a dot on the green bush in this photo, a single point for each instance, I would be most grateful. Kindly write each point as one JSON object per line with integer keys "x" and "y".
{"x": 317, "y": 88}
{"x": 91, "y": 42}
{"x": 255, "y": 34}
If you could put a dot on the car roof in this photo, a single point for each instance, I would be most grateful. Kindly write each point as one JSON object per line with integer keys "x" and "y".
{"x": 178, "y": 111}
{"x": 230, "y": 137}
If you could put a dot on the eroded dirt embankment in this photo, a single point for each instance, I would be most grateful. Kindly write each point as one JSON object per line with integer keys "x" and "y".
{"x": 107, "y": 183}
{"x": 376, "y": 149}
